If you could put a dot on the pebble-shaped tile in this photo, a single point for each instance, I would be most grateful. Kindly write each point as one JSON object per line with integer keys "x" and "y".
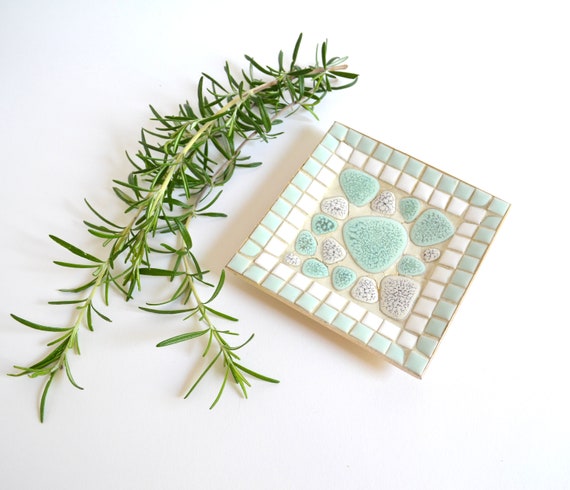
{"x": 411, "y": 266}
{"x": 306, "y": 243}
{"x": 384, "y": 204}
{"x": 292, "y": 259}
{"x": 365, "y": 290}
{"x": 332, "y": 251}
{"x": 314, "y": 268}
{"x": 409, "y": 208}
{"x": 397, "y": 296}
{"x": 321, "y": 224}
{"x": 359, "y": 187}
{"x": 431, "y": 254}
{"x": 431, "y": 227}
{"x": 337, "y": 207}
{"x": 374, "y": 243}
{"x": 343, "y": 277}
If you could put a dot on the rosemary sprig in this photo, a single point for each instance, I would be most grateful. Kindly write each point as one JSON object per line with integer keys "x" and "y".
{"x": 178, "y": 173}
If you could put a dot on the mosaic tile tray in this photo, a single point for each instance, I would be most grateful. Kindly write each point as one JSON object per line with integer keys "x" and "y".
{"x": 373, "y": 244}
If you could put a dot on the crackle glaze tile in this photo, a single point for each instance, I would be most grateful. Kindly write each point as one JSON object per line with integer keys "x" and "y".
{"x": 374, "y": 244}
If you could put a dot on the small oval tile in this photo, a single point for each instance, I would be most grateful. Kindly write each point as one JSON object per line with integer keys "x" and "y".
{"x": 332, "y": 251}
{"x": 365, "y": 290}
{"x": 315, "y": 269}
{"x": 384, "y": 204}
{"x": 343, "y": 277}
{"x": 337, "y": 207}
{"x": 321, "y": 224}
{"x": 359, "y": 187}
{"x": 409, "y": 208}
{"x": 397, "y": 296}
{"x": 432, "y": 227}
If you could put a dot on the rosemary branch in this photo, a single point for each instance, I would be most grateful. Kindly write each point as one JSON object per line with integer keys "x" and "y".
{"x": 180, "y": 164}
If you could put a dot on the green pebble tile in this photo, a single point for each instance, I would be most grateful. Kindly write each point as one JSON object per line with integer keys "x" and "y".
{"x": 461, "y": 278}
{"x": 382, "y": 153}
{"x": 281, "y": 207}
{"x": 431, "y": 176}
{"x": 339, "y": 131}
{"x": 302, "y": 181}
{"x": 447, "y": 184}
{"x": 476, "y": 249}
{"x": 379, "y": 343}
{"x": 484, "y": 235}
{"x": 463, "y": 191}
{"x": 322, "y": 154}
{"x": 261, "y": 235}
{"x": 416, "y": 362}
{"x": 397, "y": 160}
{"x": 255, "y": 273}
{"x": 239, "y": 263}
{"x": 251, "y": 249}
{"x": 330, "y": 142}
{"x": 326, "y": 313}
{"x": 343, "y": 322}
{"x": 444, "y": 309}
{"x": 480, "y": 198}
{"x": 273, "y": 283}
{"x": 499, "y": 206}
{"x": 396, "y": 353}
{"x": 312, "y": 167}
{"x": 352, "y": 138}
{"x": 366, "y": 145}
{"x": 413, "y": 167}
{"x": 436, "y": 327}
{"x": 426, "y": 345}
{"x": 271, "y": 221}
{"x": 292, "y": 194}
{"x": 492, "y": 222}
{"x": 468, "y": 264}
{"x": 290, "y": 293}
{"x": 308, "y": 302}
{"x": 361, "y": 332}
{"x": 453, "y": 293}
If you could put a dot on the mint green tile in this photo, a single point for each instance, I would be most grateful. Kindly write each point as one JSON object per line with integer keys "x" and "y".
{"x": 322, "y": 154}
{"x": 352, "y": 138}
{"x": 379, "y": 343}
{"x": 444, "y": 309}
{"x": 290, "y": 293}
{"x": 302, "y": 181}
{"x": 361, "y": 332}
{"x": 330, "y": 142}
{"x": 255, "y": 273}
{"x": 480, "y": 198}
{"x": 239, "y": 263}
{"x": 453, "y": 293}
{"x": 382, "y": 153}
{"x": 426, "y": 345}
{"x": 484, "y": 235}
{"x": 282, "y": 208}
{"x": 326, "y": 313}
{"x": 292, "y": 194}
{"x": 499, "y": 206}
{"x": 397, "y": 160}
{"x": 396, "y": 353}
{"x": 343, "y": 322}
{"x": 416, "y": 363}
{"x": 366, "y": 145}
{"x": 461, "y": 278}
{"x": 476, "y": 249}
{"x": 435, "y": 327}
{"x": 469, "y": 264}
{"x": 251, "y": 249}
{"x": 492, "y": 222}
{"x": 271, "y": 221}
{"x": 307, "y": 302}
{"x": 430, "y": 176}
{"x": 312, "y": 167}
{"x": 339, "y": 131}
{"x": 273, "y": 283}
{"x": 464, "y": 191}
{"x": 261, "y": 235}
{"x": 447, "y": 184}
{"x": 413, "y": 167}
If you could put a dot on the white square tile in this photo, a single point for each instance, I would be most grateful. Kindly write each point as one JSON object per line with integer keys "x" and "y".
{"x": 343, "y": 150}
{"x": 441, "y": 274}
{"x": 336, "y": 164}
{"x": 423, "y": 191}
{"x": 354, "y": 311}
{"x": 371, "y": 320}
{"x": 316, "y": 189}
{"x": 475, "y": 214}
{"x": 407, "y": 340}
{"x": 416, "y": 323}
{"x": 307, "y": 203}
{"x": 390, "y": 330}
{"x": 373, "y": 167}
{"x": 390, "y": 175}
{"x": 457, "y": 206}
{"x": 283, "y": 271}
{"x": 450, "y": 258}
{"x": 275, "y": 246}
{"x": 326, "y": 176}
{"x": 439, "y": 199}
{"x": 459, "y": 243}
{"x": 319, "y": 291}
{"x": 358, "y": 159}
{"x": 287, "y": 232}
{"x": 424, "y": 307}
{"x": 336, "y": 301}
{"x": 433, "y": 290}
{"x": 406, "y": 183}
{"x": 297, "y": 218}
{"x": 266, "y": 261}
{"x": 300, "y": 281}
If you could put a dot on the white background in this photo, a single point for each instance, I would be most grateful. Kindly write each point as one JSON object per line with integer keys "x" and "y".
{"x": 478, "y": 89}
